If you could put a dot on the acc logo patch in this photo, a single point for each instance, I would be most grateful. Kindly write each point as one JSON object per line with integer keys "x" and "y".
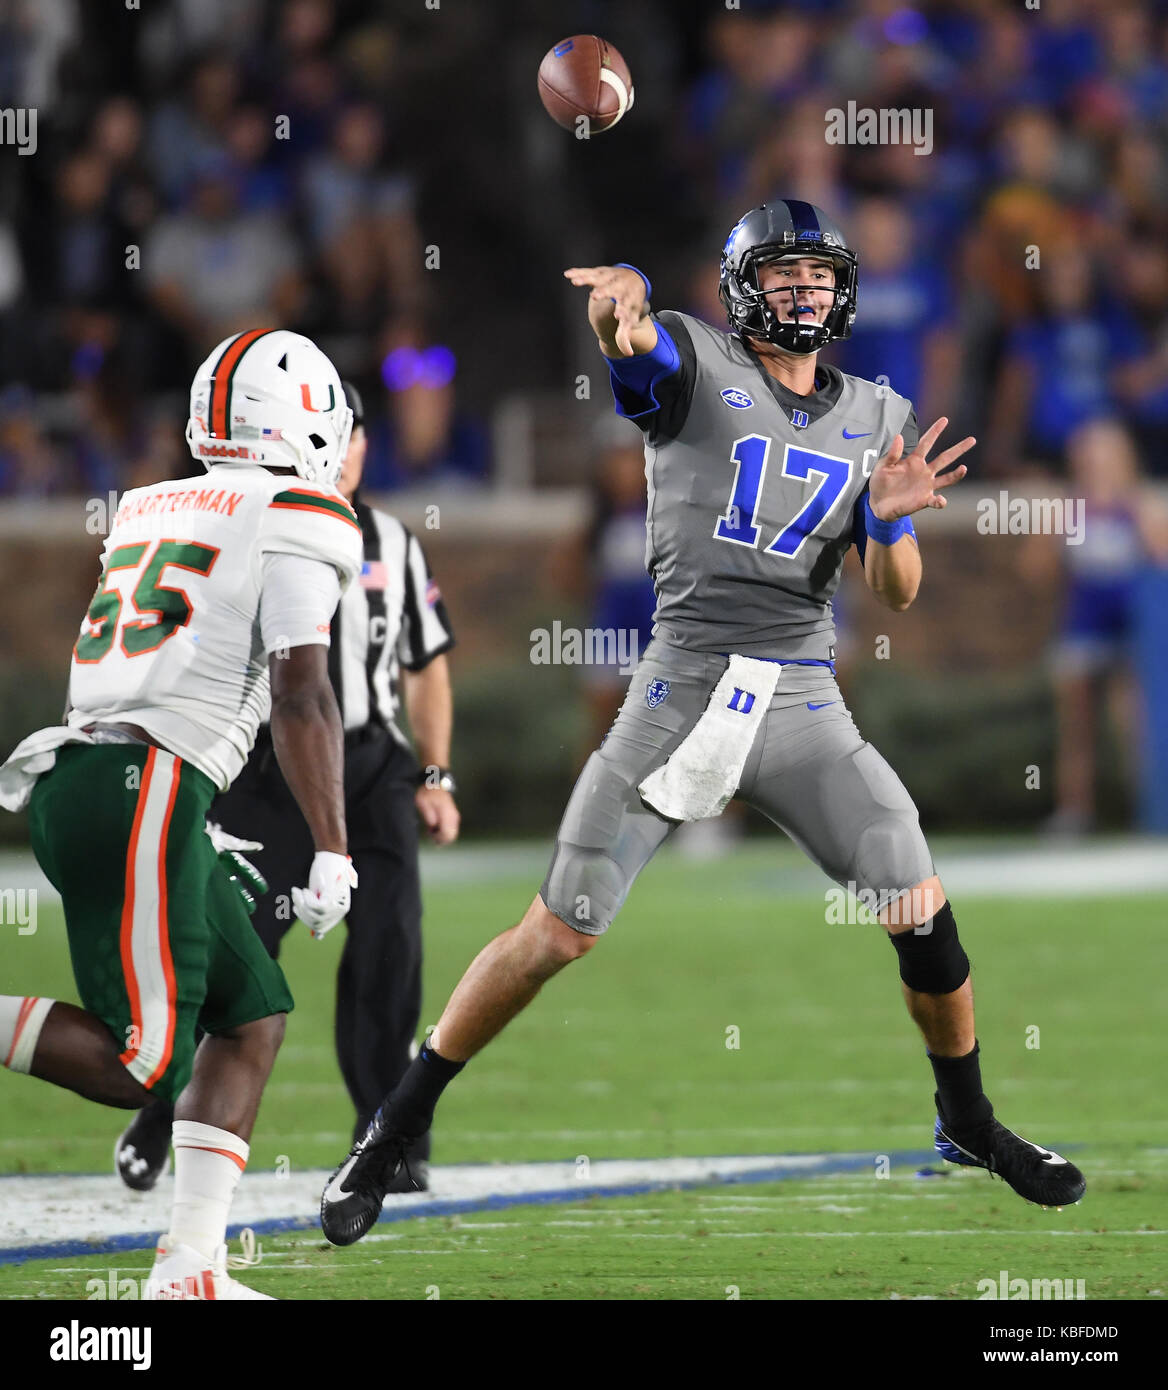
{"x": 736, "y": 398}
{"x": 656, "y": 693}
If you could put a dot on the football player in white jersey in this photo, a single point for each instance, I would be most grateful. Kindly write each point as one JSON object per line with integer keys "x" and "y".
{"x": 213, "y": 606}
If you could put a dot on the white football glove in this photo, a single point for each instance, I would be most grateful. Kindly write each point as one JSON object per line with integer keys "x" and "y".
{"x": 225, "y": 843}
{"x": 247, "y": 880}
{"x": 325, "y": 901}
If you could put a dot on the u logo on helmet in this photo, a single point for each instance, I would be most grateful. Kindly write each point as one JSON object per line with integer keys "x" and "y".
{"x": 306, "y": 399}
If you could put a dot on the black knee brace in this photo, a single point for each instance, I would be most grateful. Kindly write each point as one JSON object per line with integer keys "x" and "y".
{"x": 931, "y": 958}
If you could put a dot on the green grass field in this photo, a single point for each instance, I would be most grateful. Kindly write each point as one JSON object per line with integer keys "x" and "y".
{"x": 626, "y": 1055}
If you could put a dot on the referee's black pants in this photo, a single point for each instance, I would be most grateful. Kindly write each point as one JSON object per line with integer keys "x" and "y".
{"x": 379, "y": 986}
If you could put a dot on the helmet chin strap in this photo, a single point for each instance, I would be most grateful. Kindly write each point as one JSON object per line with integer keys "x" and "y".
{"x": 815, "y": 342}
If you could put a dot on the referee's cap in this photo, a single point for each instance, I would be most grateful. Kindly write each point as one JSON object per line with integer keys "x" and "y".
{"x": 354, "y": 402}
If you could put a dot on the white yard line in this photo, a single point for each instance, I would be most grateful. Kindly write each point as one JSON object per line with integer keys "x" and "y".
{"x": 46, "y": 1210}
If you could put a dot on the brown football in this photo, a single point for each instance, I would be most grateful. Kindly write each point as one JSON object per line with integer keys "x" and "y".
{"x": 585, "y": 85}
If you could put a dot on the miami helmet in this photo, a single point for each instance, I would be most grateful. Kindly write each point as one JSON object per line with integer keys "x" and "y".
{"x": 270, "y": 397}
{"x": 788, "y": 229}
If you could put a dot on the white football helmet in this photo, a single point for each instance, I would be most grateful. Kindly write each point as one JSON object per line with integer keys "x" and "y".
{"x": 271, "y": 397}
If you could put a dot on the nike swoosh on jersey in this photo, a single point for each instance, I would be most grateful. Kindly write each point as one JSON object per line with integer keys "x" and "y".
{"x": 863, "y": 435}
{"x": 824, "y": 705}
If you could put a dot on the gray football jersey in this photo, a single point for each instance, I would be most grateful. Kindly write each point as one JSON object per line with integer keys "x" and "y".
{"x": 752, "y": 490}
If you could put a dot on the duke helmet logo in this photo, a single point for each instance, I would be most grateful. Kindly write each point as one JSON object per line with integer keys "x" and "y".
{"x": 800, "y": 419}
{"x": 657, "y": 693}
{"x": 736, "y": 398}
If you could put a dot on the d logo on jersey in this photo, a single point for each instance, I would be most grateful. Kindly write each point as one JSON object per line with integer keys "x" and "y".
{"x": 736, "y": 398}
{"x": 800, "y": 419}
{"x": 657, "y": 693}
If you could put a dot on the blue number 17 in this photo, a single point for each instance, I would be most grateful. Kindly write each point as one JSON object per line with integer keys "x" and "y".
{"x": 737, "y": 523}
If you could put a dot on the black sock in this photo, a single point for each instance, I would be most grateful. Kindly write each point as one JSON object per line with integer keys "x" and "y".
{"x": 409, "y": 1110}
{"x": 963, "y": 1102}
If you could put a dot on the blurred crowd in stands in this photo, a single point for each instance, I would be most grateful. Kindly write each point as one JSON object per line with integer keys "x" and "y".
{"x": 380, "y": 175}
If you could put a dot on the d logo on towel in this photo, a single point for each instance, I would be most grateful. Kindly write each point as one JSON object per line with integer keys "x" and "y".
{"x": 742, "y": 701}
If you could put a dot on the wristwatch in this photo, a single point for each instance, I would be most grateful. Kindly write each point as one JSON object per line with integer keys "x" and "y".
{"x": 437, "y": 779}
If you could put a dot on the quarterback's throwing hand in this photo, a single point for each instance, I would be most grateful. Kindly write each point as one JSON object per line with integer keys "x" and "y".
{"x": 906, "y": 483}
{"x": 325, "y": 901}
{"x": 616, "y": 292}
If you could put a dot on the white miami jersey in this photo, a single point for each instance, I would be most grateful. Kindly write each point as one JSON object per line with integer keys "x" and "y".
{"x": 172, "y": 640}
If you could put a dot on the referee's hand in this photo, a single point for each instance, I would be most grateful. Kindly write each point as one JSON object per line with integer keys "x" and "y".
{"x": 439, "y": 814}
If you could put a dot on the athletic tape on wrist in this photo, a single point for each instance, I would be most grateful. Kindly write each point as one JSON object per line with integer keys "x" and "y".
{"x": 624, "y": 265}
{"x": 884, "y": 532}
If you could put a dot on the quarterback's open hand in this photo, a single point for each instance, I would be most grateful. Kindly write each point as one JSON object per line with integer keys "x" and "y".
{"x": 616, "y": 291}
{"x": 325, "y": 901}
{"x": 906, "y": 483}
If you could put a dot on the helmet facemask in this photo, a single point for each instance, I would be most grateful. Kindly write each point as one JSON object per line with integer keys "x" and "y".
{"x": 749, "y": 312}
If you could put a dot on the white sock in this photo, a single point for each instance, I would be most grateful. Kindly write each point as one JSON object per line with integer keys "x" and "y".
{"x": 208, "y": 1163}
{"x": 21, "y": 1019}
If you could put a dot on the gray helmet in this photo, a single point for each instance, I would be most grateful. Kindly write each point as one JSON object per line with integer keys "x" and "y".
{"x": 776, "y": 231}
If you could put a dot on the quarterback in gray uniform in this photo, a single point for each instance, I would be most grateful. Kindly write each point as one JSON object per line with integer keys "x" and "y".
{"x": 764, "y": 467}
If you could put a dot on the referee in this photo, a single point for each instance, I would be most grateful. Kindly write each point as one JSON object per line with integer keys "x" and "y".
{"x": 388, "y": 640}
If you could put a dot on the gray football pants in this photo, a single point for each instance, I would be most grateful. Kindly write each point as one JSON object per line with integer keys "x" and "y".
{"x": 808, "y": 771}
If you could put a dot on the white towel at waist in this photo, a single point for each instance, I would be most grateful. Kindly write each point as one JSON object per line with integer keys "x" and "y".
{"x": 704, "y": 771}
{"x": 32, "y": 758}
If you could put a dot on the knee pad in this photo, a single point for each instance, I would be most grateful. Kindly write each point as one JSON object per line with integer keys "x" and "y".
{"x": 585, "y": 888}
{"x": 891, "y": 850}
{"x": 931, "y": 957}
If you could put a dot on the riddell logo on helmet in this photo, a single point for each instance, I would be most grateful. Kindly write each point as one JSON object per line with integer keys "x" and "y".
{"x": 225, "y": 451}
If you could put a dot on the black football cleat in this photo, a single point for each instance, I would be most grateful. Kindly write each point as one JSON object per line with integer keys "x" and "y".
{"x": 1039, "y": 1175}
{"x": 144, "y": 1145}
{"x": 414, "y": 1174}
{"x": 378, "y": 1163}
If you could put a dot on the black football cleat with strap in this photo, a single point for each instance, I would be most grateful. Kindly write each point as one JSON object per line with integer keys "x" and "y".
{"x": 378, "y": 1163}
{"x": 143, "y": 1147}
{"x": 1037, "y": 1174}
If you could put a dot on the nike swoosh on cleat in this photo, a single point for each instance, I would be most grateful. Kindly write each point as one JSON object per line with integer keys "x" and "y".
{"x": 333, "y": 1192}
{"x": 863, "y": 435}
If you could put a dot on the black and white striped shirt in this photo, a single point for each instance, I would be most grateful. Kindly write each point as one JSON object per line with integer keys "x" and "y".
{"x": 392, "y": 615}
